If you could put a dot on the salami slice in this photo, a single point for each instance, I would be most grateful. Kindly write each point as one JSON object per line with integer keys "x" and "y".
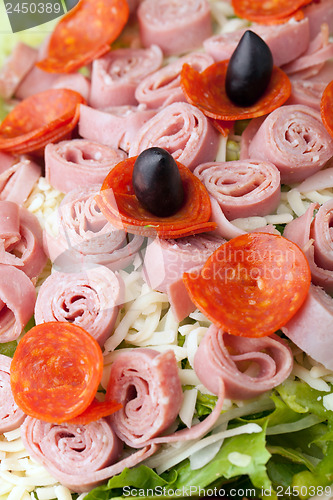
{"x": 39, "y": 119}
{"x": 252, "y": 285}
{"x": 121, "y": 207}
{"x": 256, "y": 10}
{"x": 326, "y": 108}
{"x": 84, "y": 34}
{"x": 206, "y": 90}
{"x": 55, "y": 372}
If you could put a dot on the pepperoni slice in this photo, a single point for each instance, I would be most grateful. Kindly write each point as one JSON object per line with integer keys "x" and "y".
{"x": 95, "y": 411}
{"x": 41, "y": 118}
{"x": 121, "y": 207}
{"x": 326, "y": 108}
{"x": 251, "y": 285}
{"x": 55, "y": 372}
{"x": 84, "y": 34}
{"x": 206, "y": 91}
{"x": 260, "y": 11}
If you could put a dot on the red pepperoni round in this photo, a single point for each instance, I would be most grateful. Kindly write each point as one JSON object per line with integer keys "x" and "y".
{"x": 41, "y": 118}
{"x": 122, "y": 208}
{"x": 261, "y": 11}
{"x": 84, "y": 34}
{"x": 251, "y": 285}
{"x": 95, "y": 411}
{"x": 326, "y": 108}
{"x": 206, "y": 91}
{"x": 55, "y": 371}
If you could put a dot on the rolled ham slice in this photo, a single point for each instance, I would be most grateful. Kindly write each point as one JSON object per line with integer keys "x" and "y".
{"x": 79, "y": 456}
{"x": 115, "y": 126}
{"x": 181, "y": 129}
{"x": 295, "y": 140}
{"x": 307, "y": 93}
{"x": 86, "y": 238}
{"x": 248, "y": 366}
{"x": 317, "y": 13}
{"x": 311, "y": 327}
{"x": 23, "y": 246}
{"x": 79, "y": 163}
{"x": 243, "y": 188}
{"x": 17, "y": 301}
{"x": 163, "y": 86}
{"x": 166, "y": 260}
{"x": 310, "y": 62}
{"x": 177, "y": 27}
{"x": 312, "y": 233}
{"x": 17, "y": 181}
{"x": 115, "y": 76}
{"x": 287, "y": 41}
{"x": 89, "y": 299}
{"x": 19, "y": 63}
{"x": 147, "y": 384}
{"x": 11, "y": 416}
{"x": 73, "y": 81}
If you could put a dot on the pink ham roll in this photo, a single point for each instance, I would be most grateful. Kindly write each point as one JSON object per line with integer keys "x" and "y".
{"x": 17, "y": 302}
{"x": 17, "y": 66}
{"x": 18, "y": 180}
{"x": 181, "y": 129}
{"x": 147, "y": 384}
{"x": 295, "y": 140}
{"x": 88, "y": 299}
{"x": 286, "y": 41}
{"x": 21, "y": 244}
{"x": 11, "y": 416}
{"x": 86, "y": 238}
{"x": 307, "y": 93}
{"x": 243, "y": 188}
{"x": 115, "y": 126}
{"x": 318, "y": 13}
{"x": 73, "y": 81}
{"x": 70, "y": 164}
{"x": 177, "y": 26}
{"x": 166, "y": 260}
{"x": 313, "y": 233}
{"x": 79, "y": 456}
{"x": 311, "y": 327}
{"x": 163, "y": 86}
{"x": 248, "y": 366}
{"x": 115, "y": 76}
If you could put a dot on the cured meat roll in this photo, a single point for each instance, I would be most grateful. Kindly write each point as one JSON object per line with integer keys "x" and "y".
{"x": 86, "y": 237}
{"x": 11, "y": 416}
{"x": 18, "y": 179}
{"x": 166, "y": 260}
{"x": 78, "y": 456}
{"x": 147, "y": 384}
{"x": 21, "y": 241}
{"x": 287, "y": 41}
{"x": 19, "y": 63}
{"x": 270, "y": 362}
{"x": 115, "y": 76}
{"x": 115, "y": 126}
{"x": 163, "y": 86}
{"x": 181, "y": 129}
{"x": 70, "y": 164}
{"x": 295, "y": 140}
{"x": 89, "y": 299}
{"x": 177, "y": 27}
{"x": 307, "y": 93}
{"x": 312, "y": 233}
{"x": 315, "y": 315}
{"x": 243, "y": 188}
{"x": 17, "y": 302}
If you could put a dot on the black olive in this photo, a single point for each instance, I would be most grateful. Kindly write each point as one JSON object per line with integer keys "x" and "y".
{"x": 157, "y": 183}
{"x": 249, "y": 70}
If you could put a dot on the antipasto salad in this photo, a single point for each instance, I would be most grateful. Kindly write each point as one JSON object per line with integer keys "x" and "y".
{"x": 166, "y": 252}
